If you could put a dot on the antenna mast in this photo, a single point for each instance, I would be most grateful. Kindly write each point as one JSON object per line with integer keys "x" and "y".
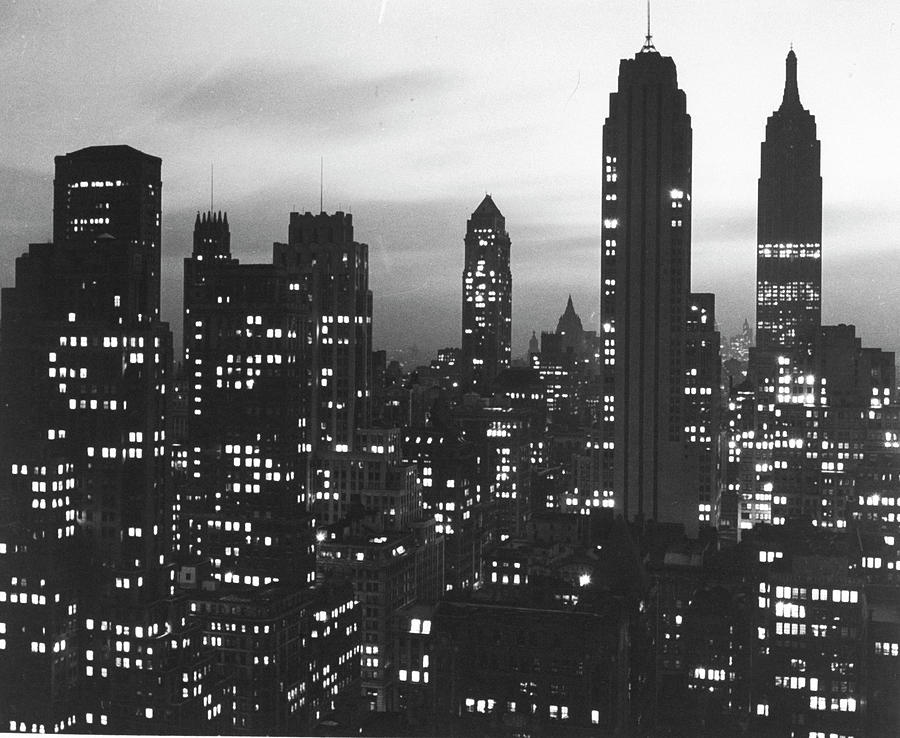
{"x": 211, "y": 187}
{"x": 648, "y": 39}
{"x": 321, "y": 184}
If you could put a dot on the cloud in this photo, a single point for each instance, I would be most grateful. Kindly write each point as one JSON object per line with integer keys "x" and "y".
{"x": 295, "y": 97}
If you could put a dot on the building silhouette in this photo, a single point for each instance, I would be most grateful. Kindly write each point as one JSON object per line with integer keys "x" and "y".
{"x": 332, "y": 271}
{"x": 562, "y": 363}
{"x": 703, "y": 373}
{"x": 779, "y": 418}
{"x": 248, "y": 392}
{"x": 789, "y": 229}
{"x": 487, "y": 298}
{"x": 112, "y": 191}
{"x": 246, "y": 533}
{"x": 645, "y": 270}
{"x": 103, "y": 644}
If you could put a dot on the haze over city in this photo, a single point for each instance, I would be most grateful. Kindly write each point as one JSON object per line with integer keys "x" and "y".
{"x": 419, "y": 109}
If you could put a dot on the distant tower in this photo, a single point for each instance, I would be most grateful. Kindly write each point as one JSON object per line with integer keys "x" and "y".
{"x": 781, "y": 467}
{"x": 747, "y": 333}
{"x": 570, "y": 329}
{"x": 789, "y": 229}
{"x": 212, "y": 245}
{"x": 212, "y": 237}
{"x": 645, "y": 268}
{"x": 487, "y": 297}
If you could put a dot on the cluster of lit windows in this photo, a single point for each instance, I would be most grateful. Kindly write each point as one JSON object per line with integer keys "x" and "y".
{"x": 767, "y": 557}
{"x": 796, "y": 682}
{"x": 789, "y": 250}
{"x": 480, "y": 705}
{"x": 80, "y": 223}
{"x": 611, "y": 169}
{"x": 835, "y": 704}
{"x": 96, "y": 184}
{"x": 711, "y": 674}
{"x": 507, "y": 572}
{"x": 416, "y": 675}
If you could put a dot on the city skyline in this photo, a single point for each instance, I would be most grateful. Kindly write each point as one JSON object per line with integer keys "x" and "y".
{"x": 528, "y": 131}
{"x": 279, "y": 529}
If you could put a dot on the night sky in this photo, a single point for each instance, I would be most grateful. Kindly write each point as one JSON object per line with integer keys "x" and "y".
{"x": 420, "y": 108}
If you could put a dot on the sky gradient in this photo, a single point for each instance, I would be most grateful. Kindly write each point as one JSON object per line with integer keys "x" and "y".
{"x": 420, "y": 108}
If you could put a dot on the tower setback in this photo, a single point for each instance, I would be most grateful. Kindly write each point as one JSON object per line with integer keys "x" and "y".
{"x": 789, "y": 229}
{"x": 645, "y": 273}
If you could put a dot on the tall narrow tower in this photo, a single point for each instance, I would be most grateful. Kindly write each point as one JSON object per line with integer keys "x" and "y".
{"x": 645, "y": 273}
{"x": 789, "y": 229}
{"x": 487, "y": 297}
{"x": 332, "y": 271}
{"x": 245, "y": 359}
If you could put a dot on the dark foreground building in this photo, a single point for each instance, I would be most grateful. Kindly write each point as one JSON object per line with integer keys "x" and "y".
{"x": 87, "y": 592}
{"x": 645, "y": 268}
{"x": 509, "y": 668}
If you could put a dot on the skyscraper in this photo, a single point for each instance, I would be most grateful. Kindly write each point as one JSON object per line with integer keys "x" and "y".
{"x": 112, "y": 191}
{"x": 331, "y": 270}
{"x": 789, "y": 229}
{"x": 487, "y": 297}
{"x": 645, "y": 270}
{"x": 84, "y": 366}
{"x": 246, "y": 365}
{"x": 781, "y": 474}
{"x": 246, "y": 527}
{"x": 703, "y": 371}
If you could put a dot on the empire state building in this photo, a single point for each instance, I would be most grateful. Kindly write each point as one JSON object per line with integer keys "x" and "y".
{"x": 789, "y": 229}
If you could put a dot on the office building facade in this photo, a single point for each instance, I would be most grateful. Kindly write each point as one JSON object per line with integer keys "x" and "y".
{"x": 487, "y": 298}
{"x": 645, "y": 274}
{"x": 789, "y": 229}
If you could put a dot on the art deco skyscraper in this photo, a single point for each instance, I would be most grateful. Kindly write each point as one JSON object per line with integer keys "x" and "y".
{"x": 645, "y": 270}
{"x": 780, "y": 470}
{"x": 789, "y": 229}
{"x": 487, "y": 297}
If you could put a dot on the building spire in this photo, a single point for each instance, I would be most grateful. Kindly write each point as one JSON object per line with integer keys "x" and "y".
{"x": 648, "y": 39}
{"x": 791, "y": 94}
